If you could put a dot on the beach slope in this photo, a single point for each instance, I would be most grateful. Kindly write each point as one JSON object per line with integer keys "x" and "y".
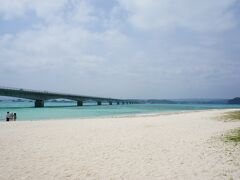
{"x": 174, "y": 146}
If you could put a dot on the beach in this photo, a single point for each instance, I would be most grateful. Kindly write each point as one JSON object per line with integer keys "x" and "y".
{"x": 184, "y": 145}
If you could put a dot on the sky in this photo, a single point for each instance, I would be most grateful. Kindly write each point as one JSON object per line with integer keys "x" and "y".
{"x": 165, "y": 49}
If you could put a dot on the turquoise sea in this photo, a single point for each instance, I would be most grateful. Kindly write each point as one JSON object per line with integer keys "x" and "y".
{"x": 69, "y": 110}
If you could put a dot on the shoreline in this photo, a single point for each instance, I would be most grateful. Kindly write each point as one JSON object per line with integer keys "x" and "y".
{"x": 127, "y": 116}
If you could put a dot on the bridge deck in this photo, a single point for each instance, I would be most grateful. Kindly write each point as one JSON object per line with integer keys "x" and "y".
{"x": 41, "y": 96}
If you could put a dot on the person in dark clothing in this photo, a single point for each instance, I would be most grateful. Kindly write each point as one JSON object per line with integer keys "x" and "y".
{"x": 14, "y": 116}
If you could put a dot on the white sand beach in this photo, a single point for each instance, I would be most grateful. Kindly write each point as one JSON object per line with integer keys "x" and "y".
{"x": 173, "y": 146}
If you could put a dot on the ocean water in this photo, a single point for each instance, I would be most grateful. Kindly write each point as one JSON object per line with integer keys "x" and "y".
{"x": 69, "y": 110}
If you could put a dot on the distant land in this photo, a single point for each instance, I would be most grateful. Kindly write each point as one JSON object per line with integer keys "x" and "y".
{"x": 160, "y": 101}
{"x": 234, "y": 101}
{"x": 189, "y": 101}
{"x": 19, "y": 100}
{"x": 60, "y": 101}
{"x": 149, "y": 101}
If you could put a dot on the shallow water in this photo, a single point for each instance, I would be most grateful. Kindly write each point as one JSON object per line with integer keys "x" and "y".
{"x": 69, "y": 110}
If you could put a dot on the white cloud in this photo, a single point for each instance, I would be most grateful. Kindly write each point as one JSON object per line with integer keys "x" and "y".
{"x": 80, "y": 47}
{"x": 199, "y": 16}
{"x": 61, "y": 44}
{"x": 51, "y": 11}
{"x": 44, "y": 8}
{"x": 82, "y": 12}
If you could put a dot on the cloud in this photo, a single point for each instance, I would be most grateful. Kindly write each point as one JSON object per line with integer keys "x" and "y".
{"x": 83, "y": 12}
{"x": 53, "y": 11}
{"x": 44, "y": 8}
{"x": 56, "y": 44}
{"x": 199, "y": 16}
{"x": 135, "y": 49}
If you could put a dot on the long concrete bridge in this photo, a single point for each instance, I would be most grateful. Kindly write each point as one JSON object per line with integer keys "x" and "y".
{"x": 40, "y": 96}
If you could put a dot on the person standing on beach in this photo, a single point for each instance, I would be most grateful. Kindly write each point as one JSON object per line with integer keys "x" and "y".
{"x": 14, "y": 116}
{"x": 11, "y": 117}
{"x": 7, "y": 116}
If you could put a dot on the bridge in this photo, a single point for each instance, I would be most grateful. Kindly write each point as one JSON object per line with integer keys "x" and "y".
{"x": 40, "y": 96}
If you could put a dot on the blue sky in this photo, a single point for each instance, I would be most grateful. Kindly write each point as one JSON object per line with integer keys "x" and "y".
{"x": 122, "y": 48}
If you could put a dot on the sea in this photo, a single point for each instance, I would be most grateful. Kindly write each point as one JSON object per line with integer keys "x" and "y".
{"x": 68, "y": 110}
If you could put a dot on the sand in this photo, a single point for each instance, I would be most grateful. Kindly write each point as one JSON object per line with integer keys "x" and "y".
{"x": 173, "y": 146}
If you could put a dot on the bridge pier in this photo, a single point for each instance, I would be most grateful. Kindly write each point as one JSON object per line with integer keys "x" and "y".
{"x": 110, "y": 102}
{"x": 39, "y": 103}
{"x": 99, "y": 103}
{"x": 79, "y": 103}
{"x": 118, "y": 103}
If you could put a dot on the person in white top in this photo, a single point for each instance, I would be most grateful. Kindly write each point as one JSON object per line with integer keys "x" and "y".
{"x": 7, "y": 116}
{"x": 11, "y": 117}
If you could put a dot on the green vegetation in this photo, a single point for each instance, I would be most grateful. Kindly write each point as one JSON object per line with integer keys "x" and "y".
{"x": 234, "y": 136}
{"x": 232, "y": 116}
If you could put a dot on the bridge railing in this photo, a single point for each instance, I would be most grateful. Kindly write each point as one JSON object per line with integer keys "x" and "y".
{"x": 24, "y": 89}
{"x": 59, "y": 93}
